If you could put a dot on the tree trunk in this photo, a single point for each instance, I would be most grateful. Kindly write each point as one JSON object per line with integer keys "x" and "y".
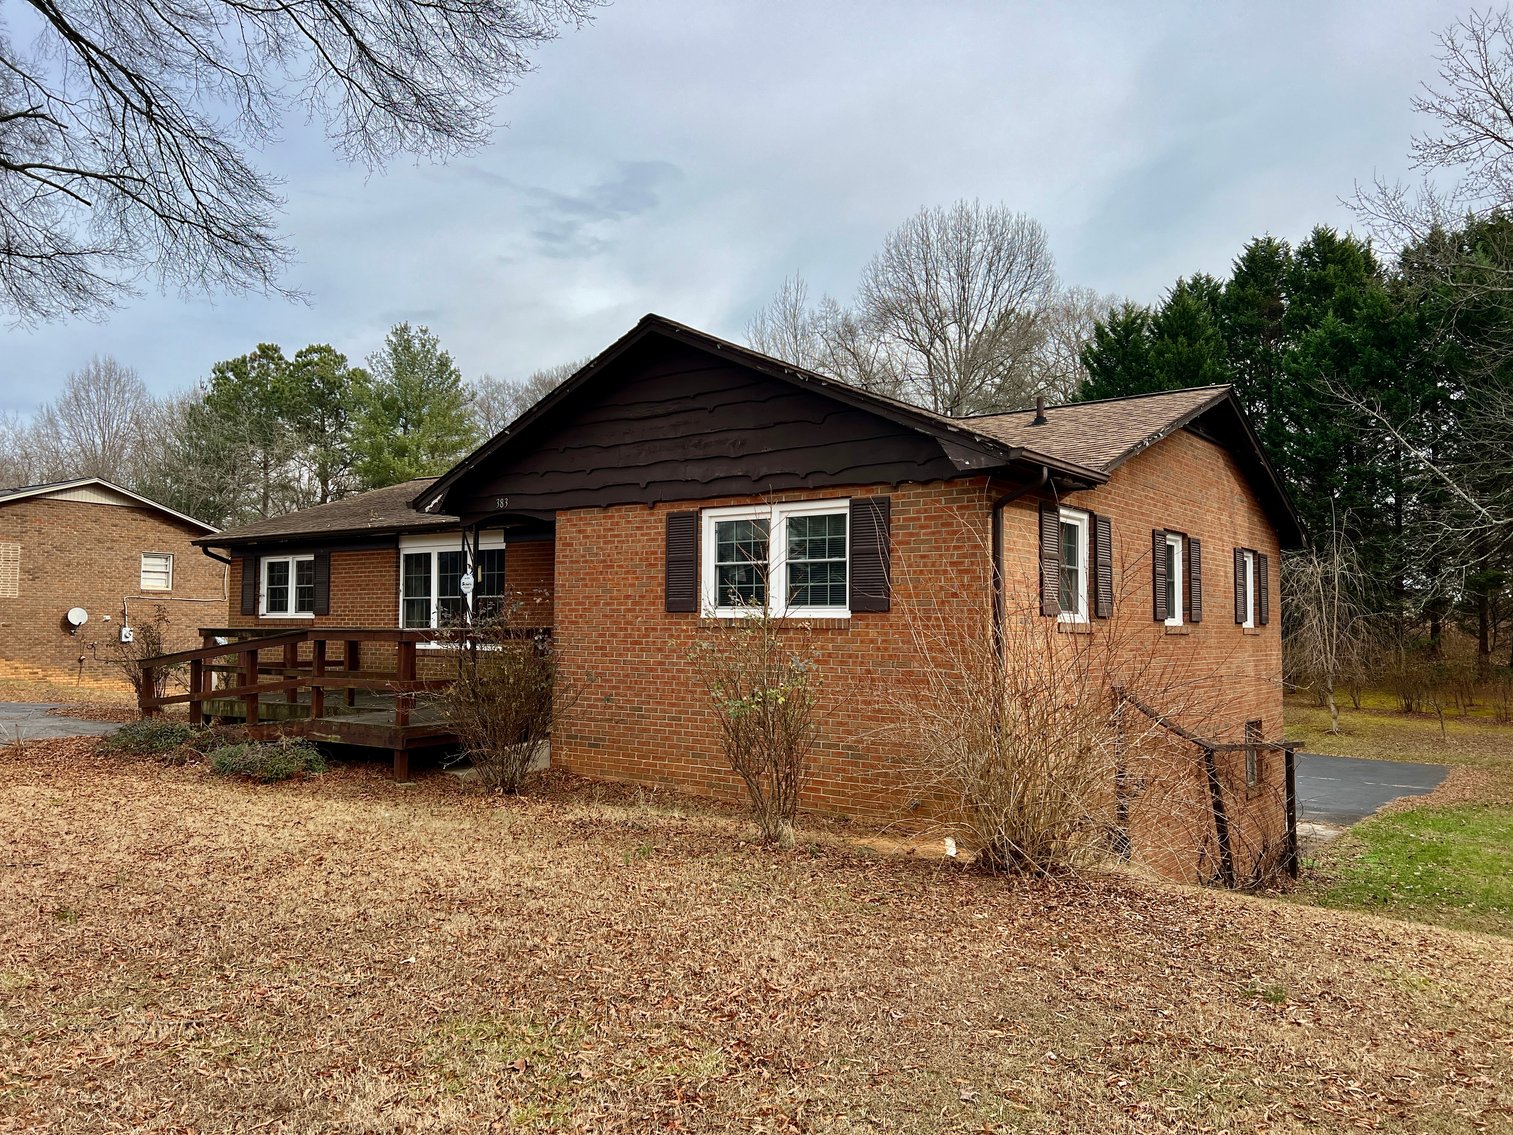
{"x": 1334, "y": 710}
{"x": 1483, "y": 636}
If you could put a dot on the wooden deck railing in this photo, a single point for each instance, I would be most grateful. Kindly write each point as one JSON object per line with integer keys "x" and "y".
{"x": 321, "y": 671}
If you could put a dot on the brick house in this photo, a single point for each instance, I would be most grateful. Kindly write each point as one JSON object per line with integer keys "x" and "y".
{"x": 676, "y": 471}
{"x": 109, "y": 552}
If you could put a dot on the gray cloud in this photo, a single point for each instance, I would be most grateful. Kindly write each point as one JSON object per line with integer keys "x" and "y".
{"x": 685, "y": 156}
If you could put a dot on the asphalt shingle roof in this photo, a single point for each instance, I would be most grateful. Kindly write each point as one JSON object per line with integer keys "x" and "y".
{"x": 377, "y": 511}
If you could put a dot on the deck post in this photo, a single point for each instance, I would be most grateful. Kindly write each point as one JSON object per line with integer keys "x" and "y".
{"x": 249, "y": 678}
{"x": 353, "y": 658}
{"x": 317, "y": 672}
{"x": 196, "y": 687}
{"x": 147, "y": 695}
{"x": 401, "y": 764}
{"x": 291, "y": 662}
{"x": 405, "y": 701}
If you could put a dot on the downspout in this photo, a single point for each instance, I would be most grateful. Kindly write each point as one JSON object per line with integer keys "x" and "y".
{"x": 998, "y": 589}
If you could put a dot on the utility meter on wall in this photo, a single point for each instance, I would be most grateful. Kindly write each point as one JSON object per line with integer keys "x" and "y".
{"x": 127, "y": 634}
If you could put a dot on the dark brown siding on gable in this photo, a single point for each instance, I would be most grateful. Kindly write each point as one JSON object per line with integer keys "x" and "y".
{"x": 676, "y": 423}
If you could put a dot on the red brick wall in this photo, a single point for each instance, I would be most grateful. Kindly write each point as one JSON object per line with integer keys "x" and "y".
{"x": 364, "y": 593}
{"x": 640, "y": 714}
{"x": 80, "y": 554}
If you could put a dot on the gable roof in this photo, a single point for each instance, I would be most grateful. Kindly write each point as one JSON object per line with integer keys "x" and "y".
{"x": 376, "y": 512}
{"x": 1079, "y": 441}
{"x": 59, "y": 489}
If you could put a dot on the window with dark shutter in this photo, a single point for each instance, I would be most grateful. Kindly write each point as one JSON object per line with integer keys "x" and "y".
{"x": 1103, "y": 566}
{"x": 249, "y": 584}
{"x": 871, "y": 543}
{"x": 322, "y": 604}
{"x": 1159, "y": 610}
{"x": 1050, "y": 560}
{"x": 1242, "y": 600}
{"x": 1263, "y": 590}
{"x": 682, "y": 563}
{"x": 1194, "y": 580}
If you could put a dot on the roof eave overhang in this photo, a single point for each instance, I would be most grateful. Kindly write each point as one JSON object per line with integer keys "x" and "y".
{"x": 969, "y": 451}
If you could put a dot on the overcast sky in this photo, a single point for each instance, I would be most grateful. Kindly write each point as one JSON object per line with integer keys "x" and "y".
{"x": 684, "y": 156}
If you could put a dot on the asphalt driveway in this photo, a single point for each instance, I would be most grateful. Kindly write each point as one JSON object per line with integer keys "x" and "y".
{"x": 1341, "y": 790}
{"x": 28, "y": 721}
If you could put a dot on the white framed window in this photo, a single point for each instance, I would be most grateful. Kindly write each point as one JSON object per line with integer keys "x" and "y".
{"x": 1250, "y": 588}
{"x": 1174, "y": 578}
{"x": 288, "y": 590}
{"x": 430, "y": 580}
{"x": 157, "y": 571}
{"x": 1075, "y": 531}
{"x": 785, "y": 559}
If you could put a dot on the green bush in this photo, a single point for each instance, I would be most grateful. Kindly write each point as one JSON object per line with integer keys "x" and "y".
{"x": 268, "y": 760}
{"x": 150, "y": 737}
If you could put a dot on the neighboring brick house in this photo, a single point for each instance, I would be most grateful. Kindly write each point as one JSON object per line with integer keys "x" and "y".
{"x": 117, "y": 556}
{"x": 634, "y": 499}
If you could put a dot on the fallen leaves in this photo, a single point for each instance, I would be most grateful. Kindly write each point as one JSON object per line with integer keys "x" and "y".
{"x": 346, "y": 955}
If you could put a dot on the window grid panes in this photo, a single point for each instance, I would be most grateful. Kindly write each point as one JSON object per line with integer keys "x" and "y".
{"x": 451, "y": 607}
{"x": 416, "y": 605}
{"x": 277, "y": 593}
{"x": 1174, "y": 580}
{"x": 741, "y": 562}
{"x": 488, "y": 584}
{"x": 1071, "y": 567}
{"x": 817, "y": 560}
{"x": 289, "y": 586}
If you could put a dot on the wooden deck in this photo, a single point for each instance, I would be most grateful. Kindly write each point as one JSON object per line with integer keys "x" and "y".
{"x": 315, "y": 683}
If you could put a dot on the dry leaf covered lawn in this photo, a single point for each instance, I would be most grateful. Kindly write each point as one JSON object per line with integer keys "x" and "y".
{"x": 182, "y": 953}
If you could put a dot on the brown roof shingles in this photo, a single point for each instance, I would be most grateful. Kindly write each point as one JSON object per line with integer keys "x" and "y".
{"x": 1099, "y": 435}
{"x": 375, "y": 512}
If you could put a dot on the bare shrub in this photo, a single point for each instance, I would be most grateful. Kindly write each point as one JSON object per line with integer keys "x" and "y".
{"x": 149, "y": 640}
{"x": 1015, "y": 743}
{"x": 506, "y": 696}
{"x": 762, "y": 681}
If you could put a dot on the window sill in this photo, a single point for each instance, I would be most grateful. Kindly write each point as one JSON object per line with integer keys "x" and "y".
{"x": 1178, "y": 628}
{"x": 1250, "y": 630}
{"x": 819, "y": 623}
{"x": 1074, "y": 628}
{"x": 300, "y": 618}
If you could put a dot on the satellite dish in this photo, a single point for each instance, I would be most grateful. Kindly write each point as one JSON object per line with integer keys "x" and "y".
{"x": 77, "y": 616}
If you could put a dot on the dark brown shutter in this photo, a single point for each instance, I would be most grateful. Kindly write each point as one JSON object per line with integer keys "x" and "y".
{"x": 871, "y": 549}
{"x": 682, "y": 583}
{"x": 249, "y": 584}
{"x": 1240, "y": 603}
{"x": 1103, "y": 566}
{"x": 1263, "y": 591}
{"x": 1158, "y": 576}
{"x": 322, "y": 583}
{"x": 1050, "y": 559}
{"x": 1194, "y": 588}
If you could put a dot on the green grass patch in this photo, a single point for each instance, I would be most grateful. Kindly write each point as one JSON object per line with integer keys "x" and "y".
{"x": 268, "y": 761}
{"x": 1451, "y": 866}
{"x": 1381, "y": 732}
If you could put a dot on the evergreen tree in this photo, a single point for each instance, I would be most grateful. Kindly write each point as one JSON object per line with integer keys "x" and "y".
{"x": 415, "y": 420}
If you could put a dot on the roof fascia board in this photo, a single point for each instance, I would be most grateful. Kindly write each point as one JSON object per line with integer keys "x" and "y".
{"x": 65, "y": 486}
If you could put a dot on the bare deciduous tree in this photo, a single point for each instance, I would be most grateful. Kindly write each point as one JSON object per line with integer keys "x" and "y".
{"x": 93, "y": 426}
{"x": 957, "y": 295}
{"x": 1067, "y": 325}
{"x": 125, "y": 126}
{"x": 823, "y": 337}
{"x": 1326, "y": 631}
{"x": 499, "y": 401}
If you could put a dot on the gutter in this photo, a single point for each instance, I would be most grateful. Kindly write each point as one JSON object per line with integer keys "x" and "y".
{"x": 998, "y": 596}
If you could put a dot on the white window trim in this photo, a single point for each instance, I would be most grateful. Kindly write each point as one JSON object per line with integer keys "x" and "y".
{"x": 777, "y": 568}
{"x": 1250, "y": 588}
{"x": 262, "y": 587}
{"x": 433, "y": 543}
{"x": 1084, "y": 526}
{"x": 1177, "y": 573}
{"x": 142, "y": 571}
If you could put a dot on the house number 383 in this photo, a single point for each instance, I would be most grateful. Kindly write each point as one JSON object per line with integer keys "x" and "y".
{"x": 501, "y": 502}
